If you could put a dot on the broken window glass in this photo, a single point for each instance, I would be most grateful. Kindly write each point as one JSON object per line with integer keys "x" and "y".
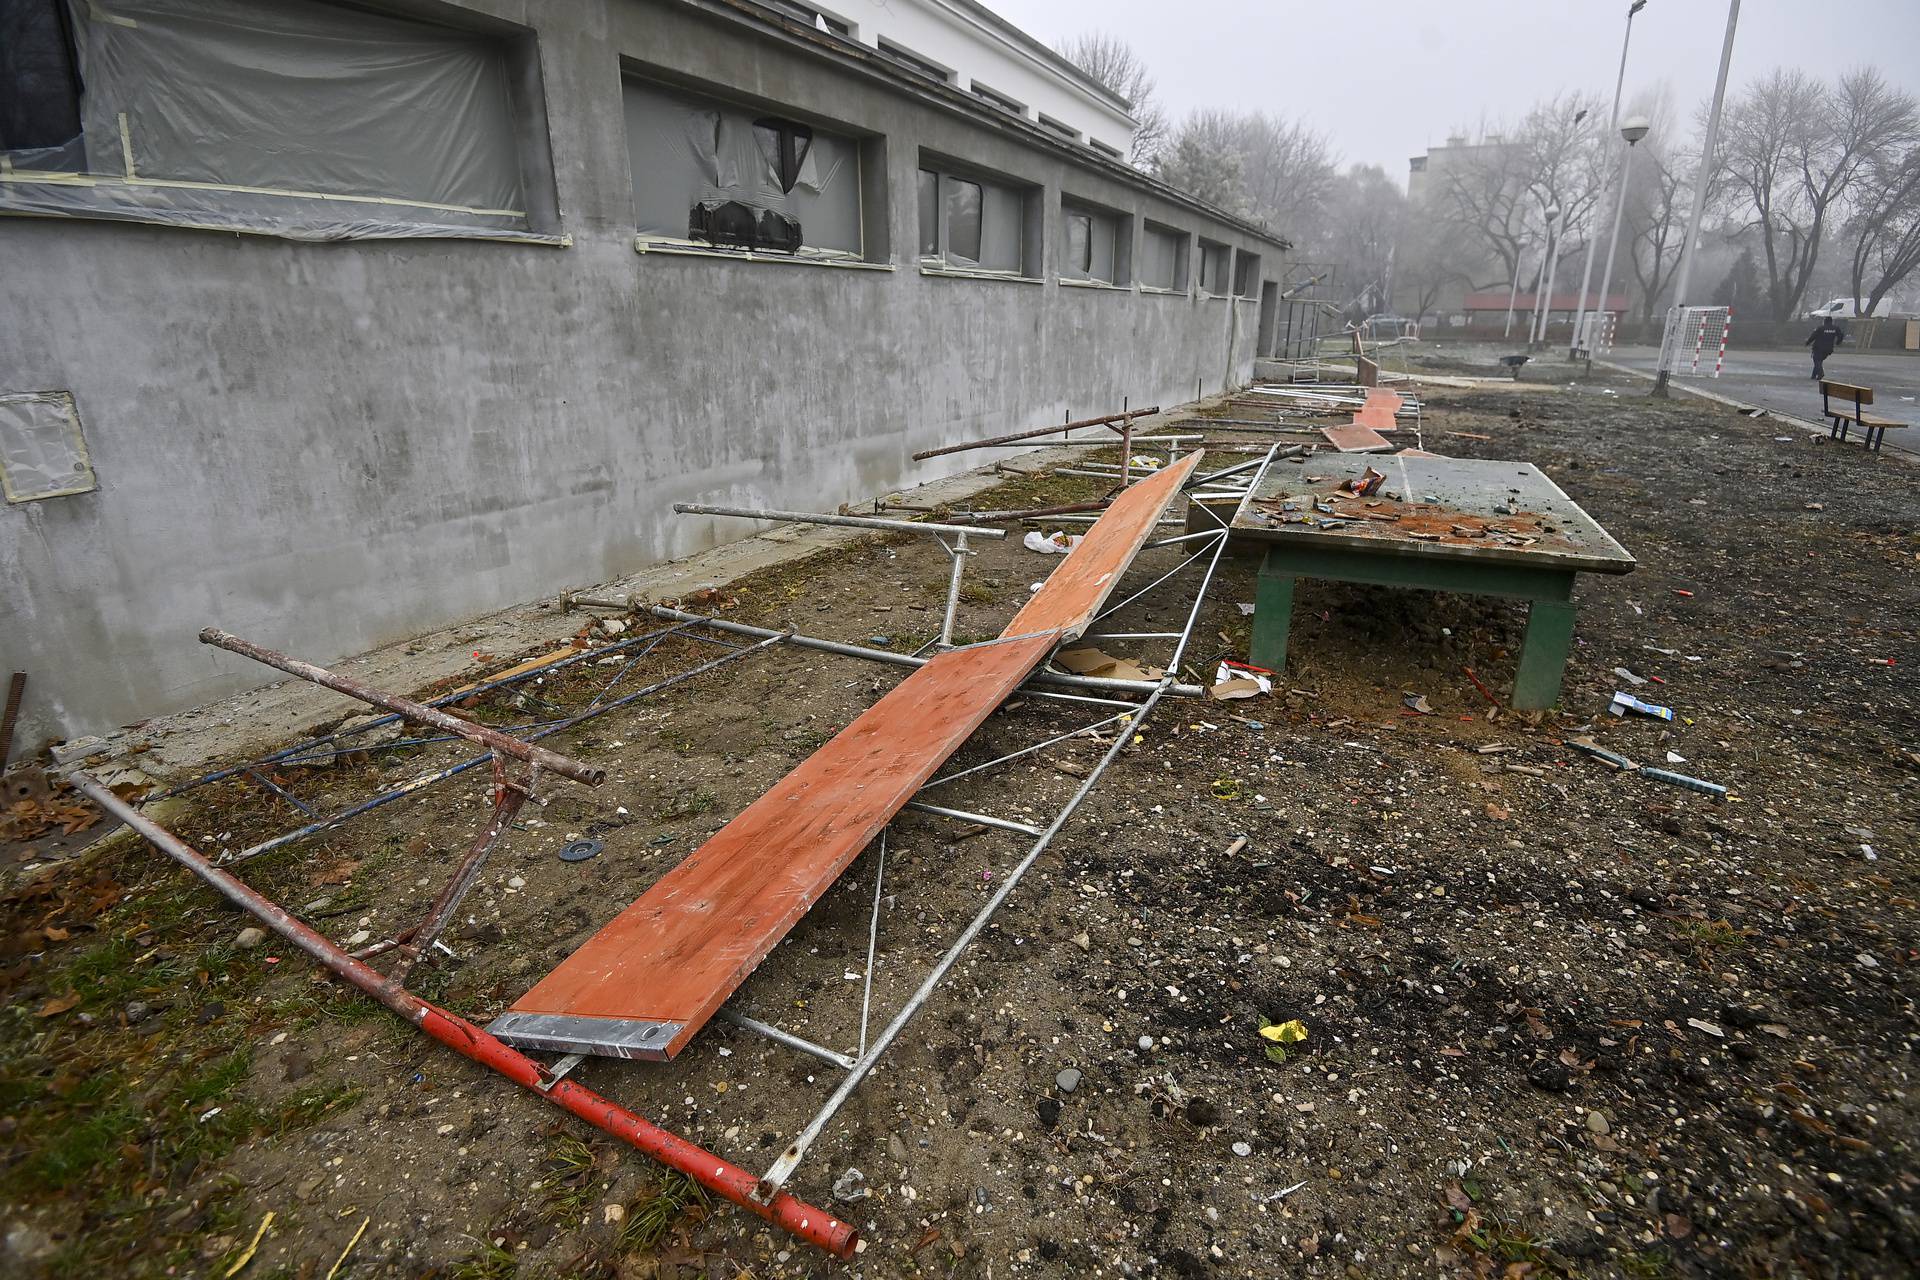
{"x": 1079, "y": 243}
{"x": 784, "y": 145}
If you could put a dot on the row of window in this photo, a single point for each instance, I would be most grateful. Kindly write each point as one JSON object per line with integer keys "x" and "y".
{"x": 922, "y": 65}
{"x": 707, "y": 173}
{"x": 350, "y": 123}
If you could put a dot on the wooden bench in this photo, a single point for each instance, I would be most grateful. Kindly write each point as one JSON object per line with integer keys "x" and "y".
{"x": 1845, "y": 405}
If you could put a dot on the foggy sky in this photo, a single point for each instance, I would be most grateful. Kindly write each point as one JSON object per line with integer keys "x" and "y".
{"x": 1385, "y": 79}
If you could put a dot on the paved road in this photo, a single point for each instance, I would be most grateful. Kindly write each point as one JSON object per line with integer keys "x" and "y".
{"x": 1782, "y": 381}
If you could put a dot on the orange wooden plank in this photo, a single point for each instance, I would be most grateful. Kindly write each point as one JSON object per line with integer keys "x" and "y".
{"x": 1356, "y": 438}
{"x": 1379, "y": 410}
{"x": 644, "y": 984}
{"x": 1076, "y": 589}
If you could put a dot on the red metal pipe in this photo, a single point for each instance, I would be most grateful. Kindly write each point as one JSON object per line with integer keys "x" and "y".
{"x": 728, "y": 1181}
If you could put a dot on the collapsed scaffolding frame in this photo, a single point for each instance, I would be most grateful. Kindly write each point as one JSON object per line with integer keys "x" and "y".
{"x": 517, "y": 765}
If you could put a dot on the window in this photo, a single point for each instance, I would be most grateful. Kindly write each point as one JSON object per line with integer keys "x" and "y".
{"x": 818, "y": 19}
{"x": 1093, "y": 243}
{"x": 1214, "y": 260}
{"x": 710, "y": 173}
{"x": 998, "y": 99}
{"x": 1112, "y": 153}
{"x": 915, "y": 63}
{"x": 1246, "y": 274}
{"x": 1060, "y": 127}
{"x": 973, "y": 223}
{"x": 1163, "y": 258}
{"x": 300, "y": 118}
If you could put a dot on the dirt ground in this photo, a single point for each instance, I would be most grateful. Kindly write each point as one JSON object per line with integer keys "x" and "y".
{"x": 1558, "y": 1021}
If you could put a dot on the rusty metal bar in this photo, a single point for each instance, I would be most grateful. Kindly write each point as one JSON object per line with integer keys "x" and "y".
{"x": 508, "y": 796}
{"x": 851, "y": 522}
{"x": 724, "y": 1179}
{"x": 16, "y": 690}
{"x": 1105, "y": 421}
{"x": 552, "y": 761}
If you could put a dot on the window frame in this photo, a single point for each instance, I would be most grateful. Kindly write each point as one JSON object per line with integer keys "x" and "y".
{"x": 942, "y": 261}
{"x": 918, "y": 63}
{"x": 866, "y": 151}
{"x": 287, "y": 210}
{"x": 1207, "y": 249}
{"x": 1182, "y": 258}
{"x": 1120, "y": 227}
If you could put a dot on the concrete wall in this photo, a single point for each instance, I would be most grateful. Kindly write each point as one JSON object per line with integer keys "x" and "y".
{"x": 328, "y": 447}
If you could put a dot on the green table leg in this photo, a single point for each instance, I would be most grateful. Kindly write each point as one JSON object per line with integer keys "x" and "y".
{"x": 1543, "y": 658}
{"x": 1272, "y": 615}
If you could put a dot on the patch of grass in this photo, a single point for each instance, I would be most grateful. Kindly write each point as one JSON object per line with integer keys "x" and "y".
{"x": 488, "y": 1262}
{"x": 306, "y": 1108}
{"x": 1647, "y": 1264}
{"x": 653, "y": 1214}
{"x": 1493, "y": 1237}
{"x": 570, "y": 1179}
{"x": 1710, "y": 938}
{"x": 687, "y": 802}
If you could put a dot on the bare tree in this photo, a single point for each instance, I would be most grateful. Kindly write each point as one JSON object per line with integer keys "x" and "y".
{"x": 1791, "y": 152}
{"x": 1655, "y": 222}
{"x": 1493, "y": 193}
{"x": 1114, "y": 64}
{"x": 1886, "y": 229}
{"x": 1289, "y": 172}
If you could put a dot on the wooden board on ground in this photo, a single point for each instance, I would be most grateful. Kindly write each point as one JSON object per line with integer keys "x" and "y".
{"x": 1074, "y": 591}
{"x": 644, "y": 984}
{"x": 1354, "y": 438}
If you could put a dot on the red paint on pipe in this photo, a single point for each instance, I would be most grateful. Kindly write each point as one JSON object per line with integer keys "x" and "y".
{"x": 728, "y": 1181}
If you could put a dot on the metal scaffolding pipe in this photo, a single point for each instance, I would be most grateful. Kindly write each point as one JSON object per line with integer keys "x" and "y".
{"x": 852, "y": 522}
{"x": 911, "y": 660}
{"x": 729, "y": 1181}
{"x": 552, "y": 761}
{"x": 1063, "y": 428}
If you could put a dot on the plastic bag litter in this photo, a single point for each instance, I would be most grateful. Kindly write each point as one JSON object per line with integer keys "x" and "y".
{"x": 1057, "y": 543}
{"x": 1238, "y": 680}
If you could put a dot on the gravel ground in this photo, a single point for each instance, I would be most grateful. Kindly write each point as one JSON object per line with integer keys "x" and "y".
{"x": 1557, "y": 1021}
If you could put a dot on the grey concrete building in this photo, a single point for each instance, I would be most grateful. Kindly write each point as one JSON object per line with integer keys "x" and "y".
{"x": 331, "y": 323}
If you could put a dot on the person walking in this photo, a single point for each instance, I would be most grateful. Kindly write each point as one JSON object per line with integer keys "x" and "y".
{"x": 1823, "y": 340}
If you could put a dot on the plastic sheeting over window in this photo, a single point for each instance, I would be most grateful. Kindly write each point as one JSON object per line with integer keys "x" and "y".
{"x": 971, "y": 222}
{"x": 1088, "y": 244}
{"x": 717, "y": 174}
{"x": 296, "y": 118}
{"x": 1213, "y": 267}
{"x": 1163, "y": 255}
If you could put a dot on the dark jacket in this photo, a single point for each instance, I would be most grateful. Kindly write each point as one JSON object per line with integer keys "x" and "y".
{"x": 1824, "y": 339}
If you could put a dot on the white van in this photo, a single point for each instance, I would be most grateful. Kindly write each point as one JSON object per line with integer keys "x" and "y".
{"x": 1843, "y": 309}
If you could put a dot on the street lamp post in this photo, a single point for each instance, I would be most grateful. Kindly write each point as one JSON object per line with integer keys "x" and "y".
{"x": 1578, "y": 338}
{"x": 1699, "y": 205}
{"x": 1633, "y": 131}
{"x": 1553, "y": 270}
{"x": 1540, "y": 278}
